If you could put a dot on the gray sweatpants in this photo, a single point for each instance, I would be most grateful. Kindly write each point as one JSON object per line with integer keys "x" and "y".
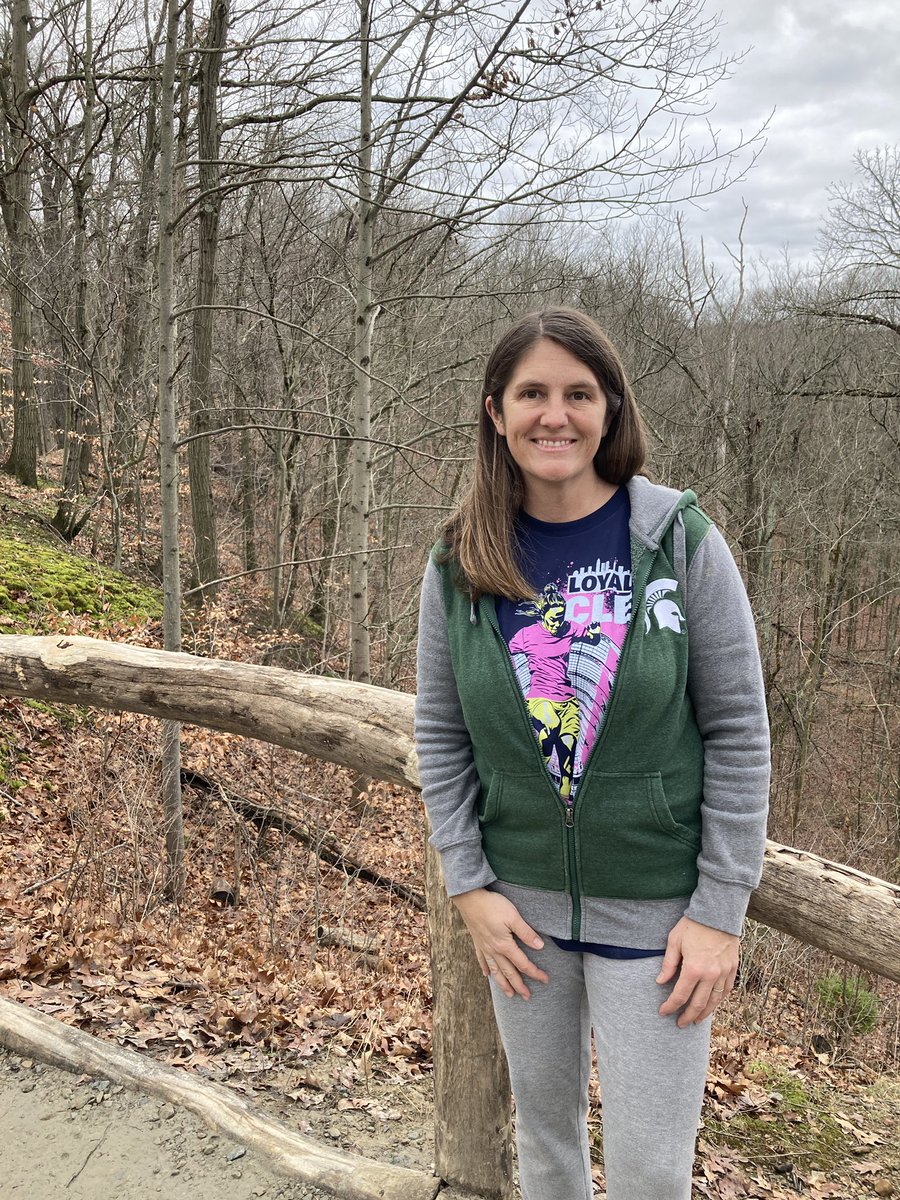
{"x": 652, "y": 1076}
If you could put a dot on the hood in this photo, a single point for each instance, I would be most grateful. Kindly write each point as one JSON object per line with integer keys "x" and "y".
{"x": 653, "y": 509}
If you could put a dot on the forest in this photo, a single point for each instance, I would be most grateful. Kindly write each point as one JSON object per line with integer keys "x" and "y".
{"x": 253, "y": 259}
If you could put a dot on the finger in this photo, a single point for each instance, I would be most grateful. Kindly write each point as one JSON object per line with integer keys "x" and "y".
{"x": 520, "y": 961}
{"x": 510, "y": 982}
{"x": 525, "y": 933}
{"x": 483, "y": 962}
{"x": 508, "y": 971}
{"x": 516, "y": 983}
{"x": 716, "y": 996}
{"x": 534, "y": 972}
{"x": 503, "y": 974}
{"x": 679, "y": 997}
{"x": 669, "y": 964}
{"x": 695, "y": 1010}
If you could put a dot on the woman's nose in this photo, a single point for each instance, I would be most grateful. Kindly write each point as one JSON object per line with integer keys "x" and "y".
{"x": 554, "y": 412}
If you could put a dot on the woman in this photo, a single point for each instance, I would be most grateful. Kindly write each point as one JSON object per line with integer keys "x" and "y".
{"x": 593, "y": 749}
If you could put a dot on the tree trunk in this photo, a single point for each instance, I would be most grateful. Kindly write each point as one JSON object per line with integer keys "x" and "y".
{"x": 279, "y": 523}
{"x": 322, "y": 571}
{"x": 168, "y": 456}
{"x": 472, "y": 1102}
{"x": 206, "y": 554}
{"x": 53, "y": 241}
{"x": 76, "y": 451}
{"x": 248, "y": 490}
{"x": 15, "y": 193}
{"x": 32, "y": 1033}
{"x": 22, "y": 461}
{"x": 130, "y": 377}
{"x": 361, "y": 451}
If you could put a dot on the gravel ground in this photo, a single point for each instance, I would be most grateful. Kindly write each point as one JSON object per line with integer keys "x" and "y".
{"x": 87, "y": 1139}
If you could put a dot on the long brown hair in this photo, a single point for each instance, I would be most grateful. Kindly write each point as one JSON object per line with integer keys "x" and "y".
{"x": 478, "y": 538}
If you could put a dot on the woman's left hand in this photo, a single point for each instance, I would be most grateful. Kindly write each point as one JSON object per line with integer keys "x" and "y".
{"x": 708, "y": 959}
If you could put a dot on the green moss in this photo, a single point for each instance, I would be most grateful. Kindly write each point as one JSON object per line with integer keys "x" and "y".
{"x": 68, "y": 715}
{"x": 39, "y": 578}
{"x": 795, "y": 1125}
{"x": 818, "y": 1141}
{"x": 793, "y": 1092}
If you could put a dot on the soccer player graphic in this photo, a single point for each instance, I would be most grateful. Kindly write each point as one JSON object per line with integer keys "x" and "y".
{"x": 551, "y": 698}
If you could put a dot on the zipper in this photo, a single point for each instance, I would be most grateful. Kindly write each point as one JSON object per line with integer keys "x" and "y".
{"x": 575, "y": 892}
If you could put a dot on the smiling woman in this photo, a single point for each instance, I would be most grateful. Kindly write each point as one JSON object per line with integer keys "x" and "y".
{"x": 594, "y": 760}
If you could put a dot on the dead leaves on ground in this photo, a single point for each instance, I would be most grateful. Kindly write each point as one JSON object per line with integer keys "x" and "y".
{"x": 808, "y": 1107}
{"x": 95, "y": 944}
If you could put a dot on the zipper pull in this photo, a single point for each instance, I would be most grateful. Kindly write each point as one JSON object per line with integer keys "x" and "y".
{"x": 570, "y": 816}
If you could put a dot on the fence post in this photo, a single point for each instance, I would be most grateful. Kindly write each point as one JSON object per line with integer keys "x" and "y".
{"x": 472, "y": 1103}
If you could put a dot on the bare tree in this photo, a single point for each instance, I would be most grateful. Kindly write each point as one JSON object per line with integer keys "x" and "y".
{"x": 15, "y": 201}
{"x": 82, "y": 388}
{"x": 206, "y": 554}
{"x": 168, "y": 452}
{"x": 478, "y": 118}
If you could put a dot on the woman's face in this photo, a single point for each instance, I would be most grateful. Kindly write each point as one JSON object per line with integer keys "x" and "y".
{"x": 554, "y": 416}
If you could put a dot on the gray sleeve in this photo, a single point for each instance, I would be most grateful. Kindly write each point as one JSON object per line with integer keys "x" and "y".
{"x": 446, "y": 769}
{"x": 726, "y": 686}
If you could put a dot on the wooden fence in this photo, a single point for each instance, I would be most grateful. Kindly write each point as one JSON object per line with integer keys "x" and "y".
{"x": 370, "y": 730}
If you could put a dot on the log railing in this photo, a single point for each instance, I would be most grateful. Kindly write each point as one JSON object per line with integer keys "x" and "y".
{"x": 370, "y": 730}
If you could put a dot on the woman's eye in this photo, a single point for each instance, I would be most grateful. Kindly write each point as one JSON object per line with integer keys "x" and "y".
{"x": 580, "y": 397}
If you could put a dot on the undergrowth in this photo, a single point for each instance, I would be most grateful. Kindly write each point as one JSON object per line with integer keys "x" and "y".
{"x": 39, "y": 579}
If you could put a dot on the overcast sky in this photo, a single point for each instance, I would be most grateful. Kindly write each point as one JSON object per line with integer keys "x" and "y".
{"x": 831, "y": 71}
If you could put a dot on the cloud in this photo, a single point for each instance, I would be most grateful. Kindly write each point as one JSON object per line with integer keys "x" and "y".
{"x": 829, "y": 70}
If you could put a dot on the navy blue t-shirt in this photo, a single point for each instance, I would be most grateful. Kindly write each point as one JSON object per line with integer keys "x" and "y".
{"x": 565, "y": 646}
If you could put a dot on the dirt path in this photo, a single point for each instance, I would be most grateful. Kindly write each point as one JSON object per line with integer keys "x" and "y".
{"x": 63, "y": 1136}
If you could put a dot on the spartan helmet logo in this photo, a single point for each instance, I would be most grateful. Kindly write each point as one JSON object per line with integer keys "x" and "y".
{"x": 665, "y": 610}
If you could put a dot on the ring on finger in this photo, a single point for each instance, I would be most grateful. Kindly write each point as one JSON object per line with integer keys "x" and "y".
{"x": 492, "y": 966}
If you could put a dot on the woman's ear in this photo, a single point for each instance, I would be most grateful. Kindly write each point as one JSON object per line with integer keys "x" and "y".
{"x": 496, "y": 417}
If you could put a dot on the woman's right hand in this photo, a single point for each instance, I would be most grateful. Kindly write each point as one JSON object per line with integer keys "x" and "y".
{"x": 494, "y": 924}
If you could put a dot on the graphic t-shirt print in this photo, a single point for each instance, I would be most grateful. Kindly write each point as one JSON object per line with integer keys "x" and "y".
{"x": 566, "y": 653}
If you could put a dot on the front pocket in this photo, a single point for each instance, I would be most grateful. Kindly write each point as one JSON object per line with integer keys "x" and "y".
{"x": 664, "y": 818}
{"x": 523, "y": 833}
{"x": 628, "y": 844}
{"x": 490, "y": 803}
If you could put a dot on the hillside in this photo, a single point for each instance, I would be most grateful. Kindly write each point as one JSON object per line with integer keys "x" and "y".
{"x": 304, "y": 986}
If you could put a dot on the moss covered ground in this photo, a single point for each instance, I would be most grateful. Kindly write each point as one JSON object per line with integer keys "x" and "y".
{"x": 792, "y": 1126}
{"x": 42, "y": 577}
